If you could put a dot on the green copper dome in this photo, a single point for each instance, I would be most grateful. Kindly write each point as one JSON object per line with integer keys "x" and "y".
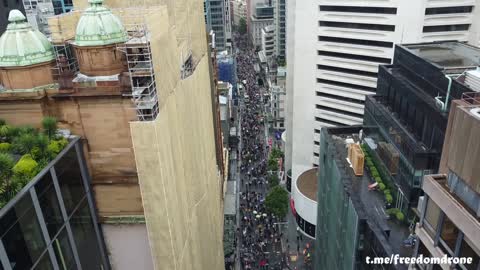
{"x": 21, "y": 45}
{"x": 98, "y": 26}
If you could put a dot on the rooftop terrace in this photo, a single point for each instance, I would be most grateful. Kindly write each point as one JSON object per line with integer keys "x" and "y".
{"x": 307, "y": 183}
{"x": 369, "y": 204}
{"x": 447, "y": 55}
{"x": 24, "y": 152}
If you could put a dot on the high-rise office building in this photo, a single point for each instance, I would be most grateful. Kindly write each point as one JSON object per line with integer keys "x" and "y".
{"x": 218, "y": 19}
{"x": 280, "y": 20}
{"x": 450, "y": 209}
{"x": 400, "y": 142}
{"x": 262, "y": 17}
{"x": 407, "y": 119}
{"x": 239, "y": 11}
{"x": 147, "y": 136}
{"x": 334, "y": 50}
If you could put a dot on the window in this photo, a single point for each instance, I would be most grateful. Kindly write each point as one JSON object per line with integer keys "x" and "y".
{"x": 85, "y": 237}
{"x": 449, "y": 233}
{"x": 467, "y": 251}
{"x": 364, "y": 42}
{"x": 349, "y": 85}
{"x": 320, "y": 119}
{"x": 316, "y": 142}
{"x": 320, "y": 94}
{"x": 320, "y": 107}
{"x": 383, "y": 10}
{"x": 365, "y": 26}
{"x": 448, "y": 10}
{"x": 48, "y": 200}
{"x": 70, "y": 180}
{"x": 21, "y": 234}
{"x": 355, "y": 57}
{"x": 432, "y": 213}
{"x": 349, "y": 71}
{"x": 317, "y": 131}
{"x": 446, "y": 28}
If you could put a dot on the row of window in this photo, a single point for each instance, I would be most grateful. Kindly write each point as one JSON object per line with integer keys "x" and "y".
{"x": 321, "y": 119}
{"x": 349, "y": 71}
{"x": 364, "y": 42}
{"x": 364, "y": 26}
{"x": 320, "y": 107}
{"x": 306, "y": 226}
{"x": 349, "y": 85}
{"x": 357, "y": 9}
{"x": 446, "y": 28}
{"x": 448, "y": 10}
{"x": 355, "y": 57}
{"x": 347, "y": 99}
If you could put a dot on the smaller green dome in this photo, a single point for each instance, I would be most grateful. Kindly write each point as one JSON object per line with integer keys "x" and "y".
{"x": 98, "y": 26}
{"x": 21, "y": 45}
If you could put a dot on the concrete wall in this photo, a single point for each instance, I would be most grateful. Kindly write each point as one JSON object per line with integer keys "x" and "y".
{"x": 175, "y": 155}
{"x": 128, "y": 246}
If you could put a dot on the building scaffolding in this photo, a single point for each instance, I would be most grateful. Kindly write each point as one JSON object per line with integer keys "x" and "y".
{"x": 138, "y": 56}
{"x": 66, "y": 62}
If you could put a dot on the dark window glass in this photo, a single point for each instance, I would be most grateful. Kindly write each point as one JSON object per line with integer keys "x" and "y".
{"x": 446, "y": 28}
{"x": 449, "y": 233}
{"x": 338, "y": 111}
{"x": 364, "y": 42}
{"x": 347, "y": 70}
{"x": 467, "y": 251}
{"x": 63, "y": 251}
{"x": 44, "y": 263}
{"x": 309, "y": 227}
{"x": 320, "y": 94}
{"x": 21, "y": 234}
{"x": 365, "y": 26}
{"x": 448, "y": 10}
{"x": 349, "y": 85}
{"x": 85, "y": 238}
{"x": 355, "y": 57}
{"x": 316, "y": 130}
{"x": 315, "y": 154}
{"x": 49, "y": 204}
{"x": 384, "y": 10}
{"x": 320, "y": 119}
{"x": 316, "y": 143}
{"x": 70, "y": 180}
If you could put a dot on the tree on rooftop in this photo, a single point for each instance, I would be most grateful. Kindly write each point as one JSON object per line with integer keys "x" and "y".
{"x": 276, "y": 201}
{"x": 24, "y": 143}
{"x": 50, "y": 126}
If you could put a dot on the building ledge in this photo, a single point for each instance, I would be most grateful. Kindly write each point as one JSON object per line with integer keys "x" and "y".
{"x": 435, "y": 187}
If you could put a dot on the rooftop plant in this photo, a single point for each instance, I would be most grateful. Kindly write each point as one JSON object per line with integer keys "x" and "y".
{"x": 24, "y": 152}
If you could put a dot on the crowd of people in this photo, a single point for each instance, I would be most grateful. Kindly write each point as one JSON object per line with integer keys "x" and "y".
{"x": 258, "y": 236}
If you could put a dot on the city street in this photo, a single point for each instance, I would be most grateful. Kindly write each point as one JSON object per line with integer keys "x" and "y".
{"x": 259, "y": 236}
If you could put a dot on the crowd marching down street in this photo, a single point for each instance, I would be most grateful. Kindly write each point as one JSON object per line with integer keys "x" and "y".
{"x": 258, "y": 236}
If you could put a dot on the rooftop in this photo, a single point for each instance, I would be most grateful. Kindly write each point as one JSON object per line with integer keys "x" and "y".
{"x": 307, "y": 183}
{"x": 370, "y": 205}
{"x": 447, "y": 55}
{"x": 24, "y": 152}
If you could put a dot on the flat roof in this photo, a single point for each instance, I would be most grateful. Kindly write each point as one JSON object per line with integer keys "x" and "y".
{"x": 369, "y": 204}
{"x": 451, "y": 54}
{"x": 307, "y": 183}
